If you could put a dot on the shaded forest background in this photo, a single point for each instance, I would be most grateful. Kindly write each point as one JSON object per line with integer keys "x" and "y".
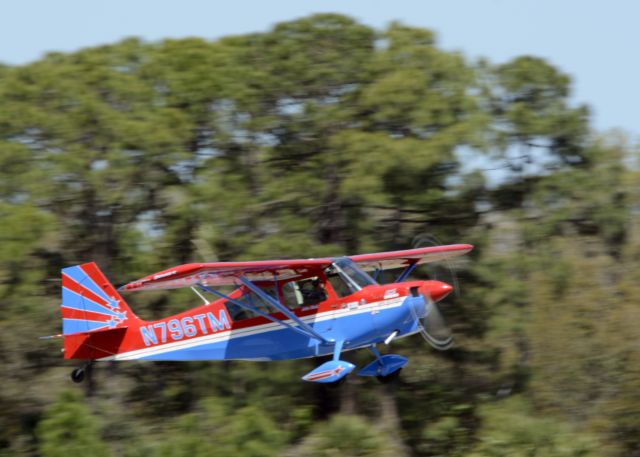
{"x": 320, "y": 137}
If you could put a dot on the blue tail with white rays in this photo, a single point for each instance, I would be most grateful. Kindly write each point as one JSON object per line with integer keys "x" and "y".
{"x": 89, "y": 301}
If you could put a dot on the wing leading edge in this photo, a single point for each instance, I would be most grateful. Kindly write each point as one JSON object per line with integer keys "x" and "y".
{"x": 229, "y": 273}
{"x": 400, "y": 259}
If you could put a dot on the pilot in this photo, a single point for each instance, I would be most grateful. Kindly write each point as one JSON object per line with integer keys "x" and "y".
{"x": 313, "y": 292}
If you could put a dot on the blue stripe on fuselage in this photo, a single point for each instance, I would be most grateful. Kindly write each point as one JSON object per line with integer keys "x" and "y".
{"x": 282, "y": 344}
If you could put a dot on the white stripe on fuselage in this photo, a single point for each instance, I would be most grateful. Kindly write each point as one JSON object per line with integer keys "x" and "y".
{"x": 257, "y": 329}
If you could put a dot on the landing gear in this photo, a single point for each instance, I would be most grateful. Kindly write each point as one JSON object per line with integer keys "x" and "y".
{"x": 332, "y": 371}
{"x": 78, "y": 374}
{"x": 386, "y": 368}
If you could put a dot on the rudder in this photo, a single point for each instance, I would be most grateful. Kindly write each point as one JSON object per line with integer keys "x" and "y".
{"x": 90, "y": 302}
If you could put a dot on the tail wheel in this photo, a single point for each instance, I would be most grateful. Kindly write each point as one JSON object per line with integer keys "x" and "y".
{"x": 77, "y": 375}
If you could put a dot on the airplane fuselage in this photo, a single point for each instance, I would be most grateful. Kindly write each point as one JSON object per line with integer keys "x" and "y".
{"x": 208, "y": 332}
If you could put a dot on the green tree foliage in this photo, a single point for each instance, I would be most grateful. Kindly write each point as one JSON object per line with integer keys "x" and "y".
{"x": 532, "y": 105}
{"x": 509, "y": 430}
{"x": 247, "y": 432}
{"x": 322, "y": 136}
{"x": 68, "y": 428}
{"x": 346, "y": 435}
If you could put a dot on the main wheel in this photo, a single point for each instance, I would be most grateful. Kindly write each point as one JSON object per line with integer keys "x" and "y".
{"x": 390, "y": 377}
{"x": 77, "y": 375}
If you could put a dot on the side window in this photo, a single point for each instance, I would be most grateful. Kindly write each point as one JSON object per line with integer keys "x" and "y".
{"x": 239, "y": 313}
{"x": 291, "y": 295}
{"x": 236, "y": 312}
{"x": 303, "y": 293}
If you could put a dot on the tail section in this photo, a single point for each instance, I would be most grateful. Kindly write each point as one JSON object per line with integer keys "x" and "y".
{"x": 89, "y": 301}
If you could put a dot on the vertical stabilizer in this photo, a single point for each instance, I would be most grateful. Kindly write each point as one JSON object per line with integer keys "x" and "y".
{"x": 90, "y": 302}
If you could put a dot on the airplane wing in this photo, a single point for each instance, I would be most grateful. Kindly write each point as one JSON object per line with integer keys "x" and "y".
{"x": 400, "y": 259}
{"x": 229, "y": 273}
{"x": 225, "y": 273}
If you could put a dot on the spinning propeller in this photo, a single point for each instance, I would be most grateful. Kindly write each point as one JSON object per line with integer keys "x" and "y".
{"x": 433, "y": 327}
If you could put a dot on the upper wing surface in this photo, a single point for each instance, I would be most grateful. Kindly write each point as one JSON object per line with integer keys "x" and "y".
{"x": 227, "y": 273}
{"x": 400, "y": 259}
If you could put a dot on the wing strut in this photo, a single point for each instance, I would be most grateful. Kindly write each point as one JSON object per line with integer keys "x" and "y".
{"x": 302, "y": 331}
{"x": 407, "y": 271}
{"x": 283, "y": 309}
{"x": 379, "y": 271}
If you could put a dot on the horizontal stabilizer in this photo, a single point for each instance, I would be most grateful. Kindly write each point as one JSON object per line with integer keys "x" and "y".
{"x": 331, "y": 371}
{"x": 92, "y": 332}
{"x": 50, "y": 337}
{"x": 94, "y": 344}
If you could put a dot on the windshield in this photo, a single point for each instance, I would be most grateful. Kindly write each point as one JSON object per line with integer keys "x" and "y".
{"x": 341, "y": 286}
{"x": 354, "y": 275}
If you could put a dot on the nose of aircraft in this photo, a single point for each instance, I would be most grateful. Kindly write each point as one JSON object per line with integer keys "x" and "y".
{"x": 437, "y": 290}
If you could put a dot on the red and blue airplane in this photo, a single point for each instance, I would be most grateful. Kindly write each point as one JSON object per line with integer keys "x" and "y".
{"x": 279, "y": 310}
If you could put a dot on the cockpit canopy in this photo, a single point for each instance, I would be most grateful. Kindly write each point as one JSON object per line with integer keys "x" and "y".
{"x": 346, "y": 277}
